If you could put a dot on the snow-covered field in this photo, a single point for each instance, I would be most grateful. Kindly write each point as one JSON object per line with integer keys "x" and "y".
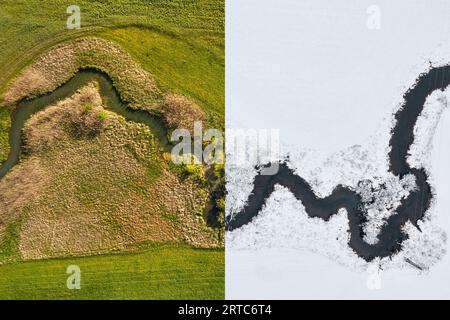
{"x": 317, "y": 72}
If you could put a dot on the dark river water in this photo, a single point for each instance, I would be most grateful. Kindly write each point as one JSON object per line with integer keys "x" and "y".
{"x": 110, "y": 97}
{"x": 412, "y": 208}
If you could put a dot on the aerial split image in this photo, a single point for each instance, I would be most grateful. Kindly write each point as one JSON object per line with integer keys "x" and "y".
{"x": 195, "y": 153}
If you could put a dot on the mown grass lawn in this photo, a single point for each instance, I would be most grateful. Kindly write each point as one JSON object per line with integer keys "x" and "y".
{"x": 168, "y": 272}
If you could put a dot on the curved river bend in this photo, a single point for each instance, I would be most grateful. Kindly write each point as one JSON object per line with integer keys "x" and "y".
{"x": 111, "y": 99}
{"x": 412, "y": 208}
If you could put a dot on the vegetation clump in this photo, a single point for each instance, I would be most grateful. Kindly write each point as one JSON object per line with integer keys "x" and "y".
{"x": 181, "y": 112}
{"x": 136, "y": 86}
{"x": 5, "y": 124}
{"x": 77, "y": 116}
{"x": 87, "y": 124}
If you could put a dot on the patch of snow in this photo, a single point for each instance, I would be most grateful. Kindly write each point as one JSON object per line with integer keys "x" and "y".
{"x": 284, "y": 223}
{"x": 322, "y": 104}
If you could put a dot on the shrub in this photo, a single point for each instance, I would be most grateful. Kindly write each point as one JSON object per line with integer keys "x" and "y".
{"x": 181, "y": 112}
{"x": 102, "y": 115}
{"x": 88, "y": 106}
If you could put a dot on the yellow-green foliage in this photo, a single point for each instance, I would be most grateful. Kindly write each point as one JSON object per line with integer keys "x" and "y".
{"x": 188, "y": 166}
{"x": 102, "y": 115}
{"x": 221, "y": 204}
{"x": 219, "y": 170}
{"x": 5, "y": 123}
{"x": 88, "y": 106}
{"x": 195, "y": 171}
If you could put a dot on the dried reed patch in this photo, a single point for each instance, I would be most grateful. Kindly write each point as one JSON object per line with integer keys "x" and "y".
{"x": 77, "y": 115}
{"x": 5, "y": 124}
{"x": 181, "y": 112}
{"x": 18, "y": 190}
{"x": 136, "y": 86}
{"x": 108, "y": 191}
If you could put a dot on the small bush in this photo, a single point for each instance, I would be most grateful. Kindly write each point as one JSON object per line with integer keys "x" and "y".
{"x": 221, "y": 204}
{"x": 180, "y": 112}
{"x": 102, "y": 115}
{"x": 88, "y": 106}
{"x": 195, "y": 171}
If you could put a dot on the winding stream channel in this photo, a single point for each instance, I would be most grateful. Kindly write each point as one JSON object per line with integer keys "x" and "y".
{"x": 412, "y": 208}
{"x": 111, "y": 99}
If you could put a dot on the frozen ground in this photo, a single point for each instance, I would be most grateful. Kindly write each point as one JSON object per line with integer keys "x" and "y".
{"x": 314, "y": 70}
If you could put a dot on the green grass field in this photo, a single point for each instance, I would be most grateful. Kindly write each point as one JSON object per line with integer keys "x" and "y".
{"x": 158, "y": 273}
{"x": 181, "y": 43}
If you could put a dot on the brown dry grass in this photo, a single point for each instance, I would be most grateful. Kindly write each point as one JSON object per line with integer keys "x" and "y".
{"x": 77, "y": 115}
{"x": 136, "y": 85}
{"x": 181, "y": 112}
{"x": 110, "y": 191}
{"x": 22, "y": 187}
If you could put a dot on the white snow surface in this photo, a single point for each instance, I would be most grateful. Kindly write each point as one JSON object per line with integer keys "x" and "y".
{"x": 284, "y": 223}
{"x": 336, "y": 132}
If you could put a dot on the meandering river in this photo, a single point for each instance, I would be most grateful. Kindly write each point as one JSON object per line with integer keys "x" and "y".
{"x": 412, "y": 208}
{"x": 112, "y": 101}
